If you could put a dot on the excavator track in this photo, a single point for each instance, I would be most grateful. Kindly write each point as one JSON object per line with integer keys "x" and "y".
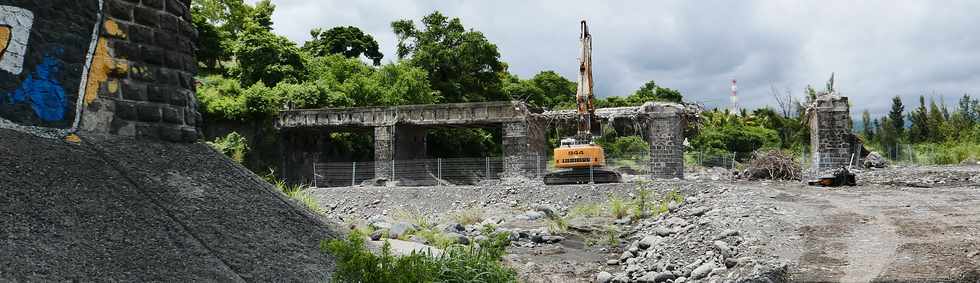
{"x": 582, "y": 176}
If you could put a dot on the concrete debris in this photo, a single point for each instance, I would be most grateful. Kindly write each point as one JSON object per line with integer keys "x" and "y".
{"x": 875, "y": 160}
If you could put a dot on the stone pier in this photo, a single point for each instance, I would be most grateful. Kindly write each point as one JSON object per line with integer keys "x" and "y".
{"x": 666, "y": 136}
{"x": 831, "y": 141}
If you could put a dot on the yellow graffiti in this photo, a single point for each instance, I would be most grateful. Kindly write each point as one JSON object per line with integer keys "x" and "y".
{"x": 113, "y": 86}
{"x": 73, "y": 138}
{"x": 4, "y": 38}
{"x": 112, "y": 29}
{"x": 104, "y": 64}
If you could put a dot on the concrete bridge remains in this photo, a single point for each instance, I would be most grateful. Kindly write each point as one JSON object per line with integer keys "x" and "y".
{"x": 399, "y": 132}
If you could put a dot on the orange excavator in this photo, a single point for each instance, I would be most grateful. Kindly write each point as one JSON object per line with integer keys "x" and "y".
{"x": 578, "y": 158}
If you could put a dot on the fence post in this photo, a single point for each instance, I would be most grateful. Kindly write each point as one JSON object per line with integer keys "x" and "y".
{"x": 733, "y": 161}
{"x": 488, "y": 167}
{"x": 591, "y": 177}
{"x": 439, "y": 167}
{"x": 392, "y": 169}
{"x": 910, "y": 153}
{"x": 314, "y": 174}
{"x": 537, "y": 165}
{"x": 353, "y": 173}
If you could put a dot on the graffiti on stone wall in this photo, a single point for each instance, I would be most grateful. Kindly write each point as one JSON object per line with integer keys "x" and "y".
{"x": 45, "y": 56}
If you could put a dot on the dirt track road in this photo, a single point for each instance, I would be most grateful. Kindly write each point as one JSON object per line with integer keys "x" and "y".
{"x": 884, "y": 233}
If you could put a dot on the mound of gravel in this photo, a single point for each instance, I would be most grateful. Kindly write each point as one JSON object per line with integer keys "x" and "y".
{"x": 696, "y": 242}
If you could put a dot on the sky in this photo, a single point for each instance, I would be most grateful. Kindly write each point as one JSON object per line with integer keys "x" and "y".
{"x": 877, "y": 49}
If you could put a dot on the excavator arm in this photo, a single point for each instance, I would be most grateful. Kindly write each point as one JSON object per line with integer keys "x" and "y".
{"x": 588, "y": 126}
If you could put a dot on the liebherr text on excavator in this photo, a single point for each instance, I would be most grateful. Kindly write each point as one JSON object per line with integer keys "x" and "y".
{"x": 578, "y": 158}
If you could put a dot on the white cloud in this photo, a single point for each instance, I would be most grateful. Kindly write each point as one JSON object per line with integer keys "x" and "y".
{"x": 877, "y": 48}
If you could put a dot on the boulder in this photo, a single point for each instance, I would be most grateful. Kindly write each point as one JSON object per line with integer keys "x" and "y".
{"x": 703, "y": 270}
{"x": 534, "y": 215}
{"x": 723, "y": 248}
{"x": 649, "y": 241}
{"x": 401, "y": 228}
{"x": 379, "y": 222}
{"x": 620, "y": 278}
{"x": 603, "y": 277}
{"x": 451, "y": 227}
{"x": 552, "y": 239}
{"x": 378, "y": 234}
{"x": 875, "y": 160}
{"x": 458, "y": 238}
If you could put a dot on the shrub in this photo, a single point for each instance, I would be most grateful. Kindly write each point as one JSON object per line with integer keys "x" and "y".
{"x": 301, "y": 194}
{"x": 233, "y": 145}
{"x": 640, "y": 205}
{"x": 612, "y": 236}
{"x": 475, "y": 263}
{"x": 557, "y": 224}
{"x": 413, "y": 216}
{"x": 585, "y": 210}
{"x": 618, "y": 207}
{"x": 469, "y": 216}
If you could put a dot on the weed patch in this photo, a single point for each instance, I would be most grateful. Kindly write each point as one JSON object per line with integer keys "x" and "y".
{"x": 469, "y": 216}
{"x": 475, "y": 263}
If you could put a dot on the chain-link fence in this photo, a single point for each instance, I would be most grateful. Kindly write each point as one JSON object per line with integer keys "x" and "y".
{"x": 474, "y": 170}
{"x": 434, "y": 171}
{"x": 415, "y": 171}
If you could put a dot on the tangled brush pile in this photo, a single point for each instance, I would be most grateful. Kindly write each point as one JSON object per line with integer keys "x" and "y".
{"x": 773, "y": 165}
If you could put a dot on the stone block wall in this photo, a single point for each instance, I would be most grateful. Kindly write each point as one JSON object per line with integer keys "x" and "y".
{"x": 525, "y": 148}
{"x": 122, "y": 67}
{"x": 830, "y": 132}
{"x": 666, "y": 137}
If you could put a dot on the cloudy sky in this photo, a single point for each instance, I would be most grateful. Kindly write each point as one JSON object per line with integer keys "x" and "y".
{"x": 878, "y": 49}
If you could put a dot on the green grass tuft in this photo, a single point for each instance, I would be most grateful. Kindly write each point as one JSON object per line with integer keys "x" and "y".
{"x": 618, "y": 208}
{"x": 468, "y": 216}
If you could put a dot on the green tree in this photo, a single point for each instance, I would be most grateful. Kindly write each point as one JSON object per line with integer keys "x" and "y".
{"x": 557, "y": 89}
{"x": 919, "y": 117}
{"x": 219, "y": 25}
{"x": 936, "y": 122}
{"x": 546, "y": 89}
{"x": 266, "y": 57}
{"x": 868, "y": 130}
{"x": 462, "y": 65}
{"x": 650, "y": 91}
{"x": 888, "y": 137}
{"x": 897, "y": 118}
{"x": 348, "y": 41}
{"x": 210, "y": 50}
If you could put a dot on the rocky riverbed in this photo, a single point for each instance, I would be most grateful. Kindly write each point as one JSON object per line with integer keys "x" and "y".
{"x": 905, "y": 223}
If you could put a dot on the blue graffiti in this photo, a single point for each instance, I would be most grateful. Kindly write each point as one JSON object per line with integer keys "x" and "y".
{"x": 43, "y": 91}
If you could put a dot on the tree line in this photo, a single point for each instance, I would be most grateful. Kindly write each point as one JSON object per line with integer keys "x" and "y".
{"x": 247, "y": 73}
{"x": 951, "y": 134}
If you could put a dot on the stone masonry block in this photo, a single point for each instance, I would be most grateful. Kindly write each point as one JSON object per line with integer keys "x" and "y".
{"x": 157, "y": 94}
{"x": 146, "y": 16}
{"x": 126, "y": 110}
{"x": 133, "y": 91}
{"x": 120, "y": 10}
{"x": 173, "y": 115}
{"x": 149, "y": 112}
